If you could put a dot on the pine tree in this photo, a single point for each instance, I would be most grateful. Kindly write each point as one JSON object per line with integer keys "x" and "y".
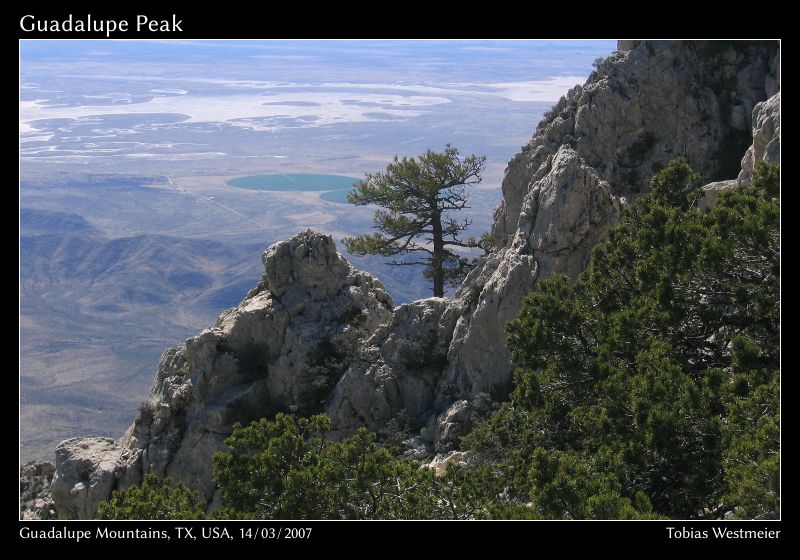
{"x": 417, "y": 197}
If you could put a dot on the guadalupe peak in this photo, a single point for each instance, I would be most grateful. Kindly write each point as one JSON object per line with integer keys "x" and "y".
{"x": 317, "y": 335}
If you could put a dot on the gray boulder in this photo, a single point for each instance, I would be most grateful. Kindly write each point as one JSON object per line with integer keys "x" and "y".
{"x": 87, "y": 470}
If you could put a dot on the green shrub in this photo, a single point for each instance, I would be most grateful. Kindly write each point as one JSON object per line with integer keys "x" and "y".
{"x": 650, "y": 385}
{"x": 155, "y": 499}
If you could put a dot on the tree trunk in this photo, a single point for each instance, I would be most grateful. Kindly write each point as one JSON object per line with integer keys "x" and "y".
{"x": 438, "y": 253}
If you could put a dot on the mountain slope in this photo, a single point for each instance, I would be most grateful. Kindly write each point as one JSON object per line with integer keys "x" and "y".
{"x": 91, "y": 307}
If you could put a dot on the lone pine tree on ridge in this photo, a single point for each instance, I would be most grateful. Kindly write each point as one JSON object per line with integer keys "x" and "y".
{"x": 417, "y": 197}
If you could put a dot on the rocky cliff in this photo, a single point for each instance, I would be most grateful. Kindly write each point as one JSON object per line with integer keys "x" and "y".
{"x": 317, "y": 335}
{"x": 646, "y": 104}
{"x": 280, "y": 349}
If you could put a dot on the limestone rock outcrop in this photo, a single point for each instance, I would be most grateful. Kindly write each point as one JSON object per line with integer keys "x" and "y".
{"x": 264, "y": 356}
{"x": 260, "y": 358}
{"x": 317, "y": 335}
{"x": 646, "y": 104}
{"x": 397, "y": 373}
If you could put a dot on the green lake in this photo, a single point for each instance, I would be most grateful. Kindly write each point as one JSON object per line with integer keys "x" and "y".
{"x": 336, "y": 196}
{"x": 336, "y": 186}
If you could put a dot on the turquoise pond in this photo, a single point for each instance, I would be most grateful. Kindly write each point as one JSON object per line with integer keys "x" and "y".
{"x": 335, "y": 185}
{"x": 336, "y": 196}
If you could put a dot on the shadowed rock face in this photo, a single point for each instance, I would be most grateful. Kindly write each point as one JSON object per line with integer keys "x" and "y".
{"x": 766, "y": 136}
{"x": 317, "y": 335}
{"x": 766, "y": 147}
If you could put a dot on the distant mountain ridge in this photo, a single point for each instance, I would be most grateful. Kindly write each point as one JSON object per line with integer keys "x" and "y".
{"x": 120, "y": 301}
{"x": 34, "y": 221}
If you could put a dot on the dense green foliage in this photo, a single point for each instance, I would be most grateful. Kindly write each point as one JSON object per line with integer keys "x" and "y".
{"x": 417, "y": 197}
{"x": 288, "y": 469}
{"x": 651, "y": 383}
{"x": 155, "y": 499}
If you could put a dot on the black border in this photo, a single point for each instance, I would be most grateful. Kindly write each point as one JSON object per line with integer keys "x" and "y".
{"x": 414, "y": 22}
{"x": 546, "y": 20}
{"x": 419, "y": 537}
